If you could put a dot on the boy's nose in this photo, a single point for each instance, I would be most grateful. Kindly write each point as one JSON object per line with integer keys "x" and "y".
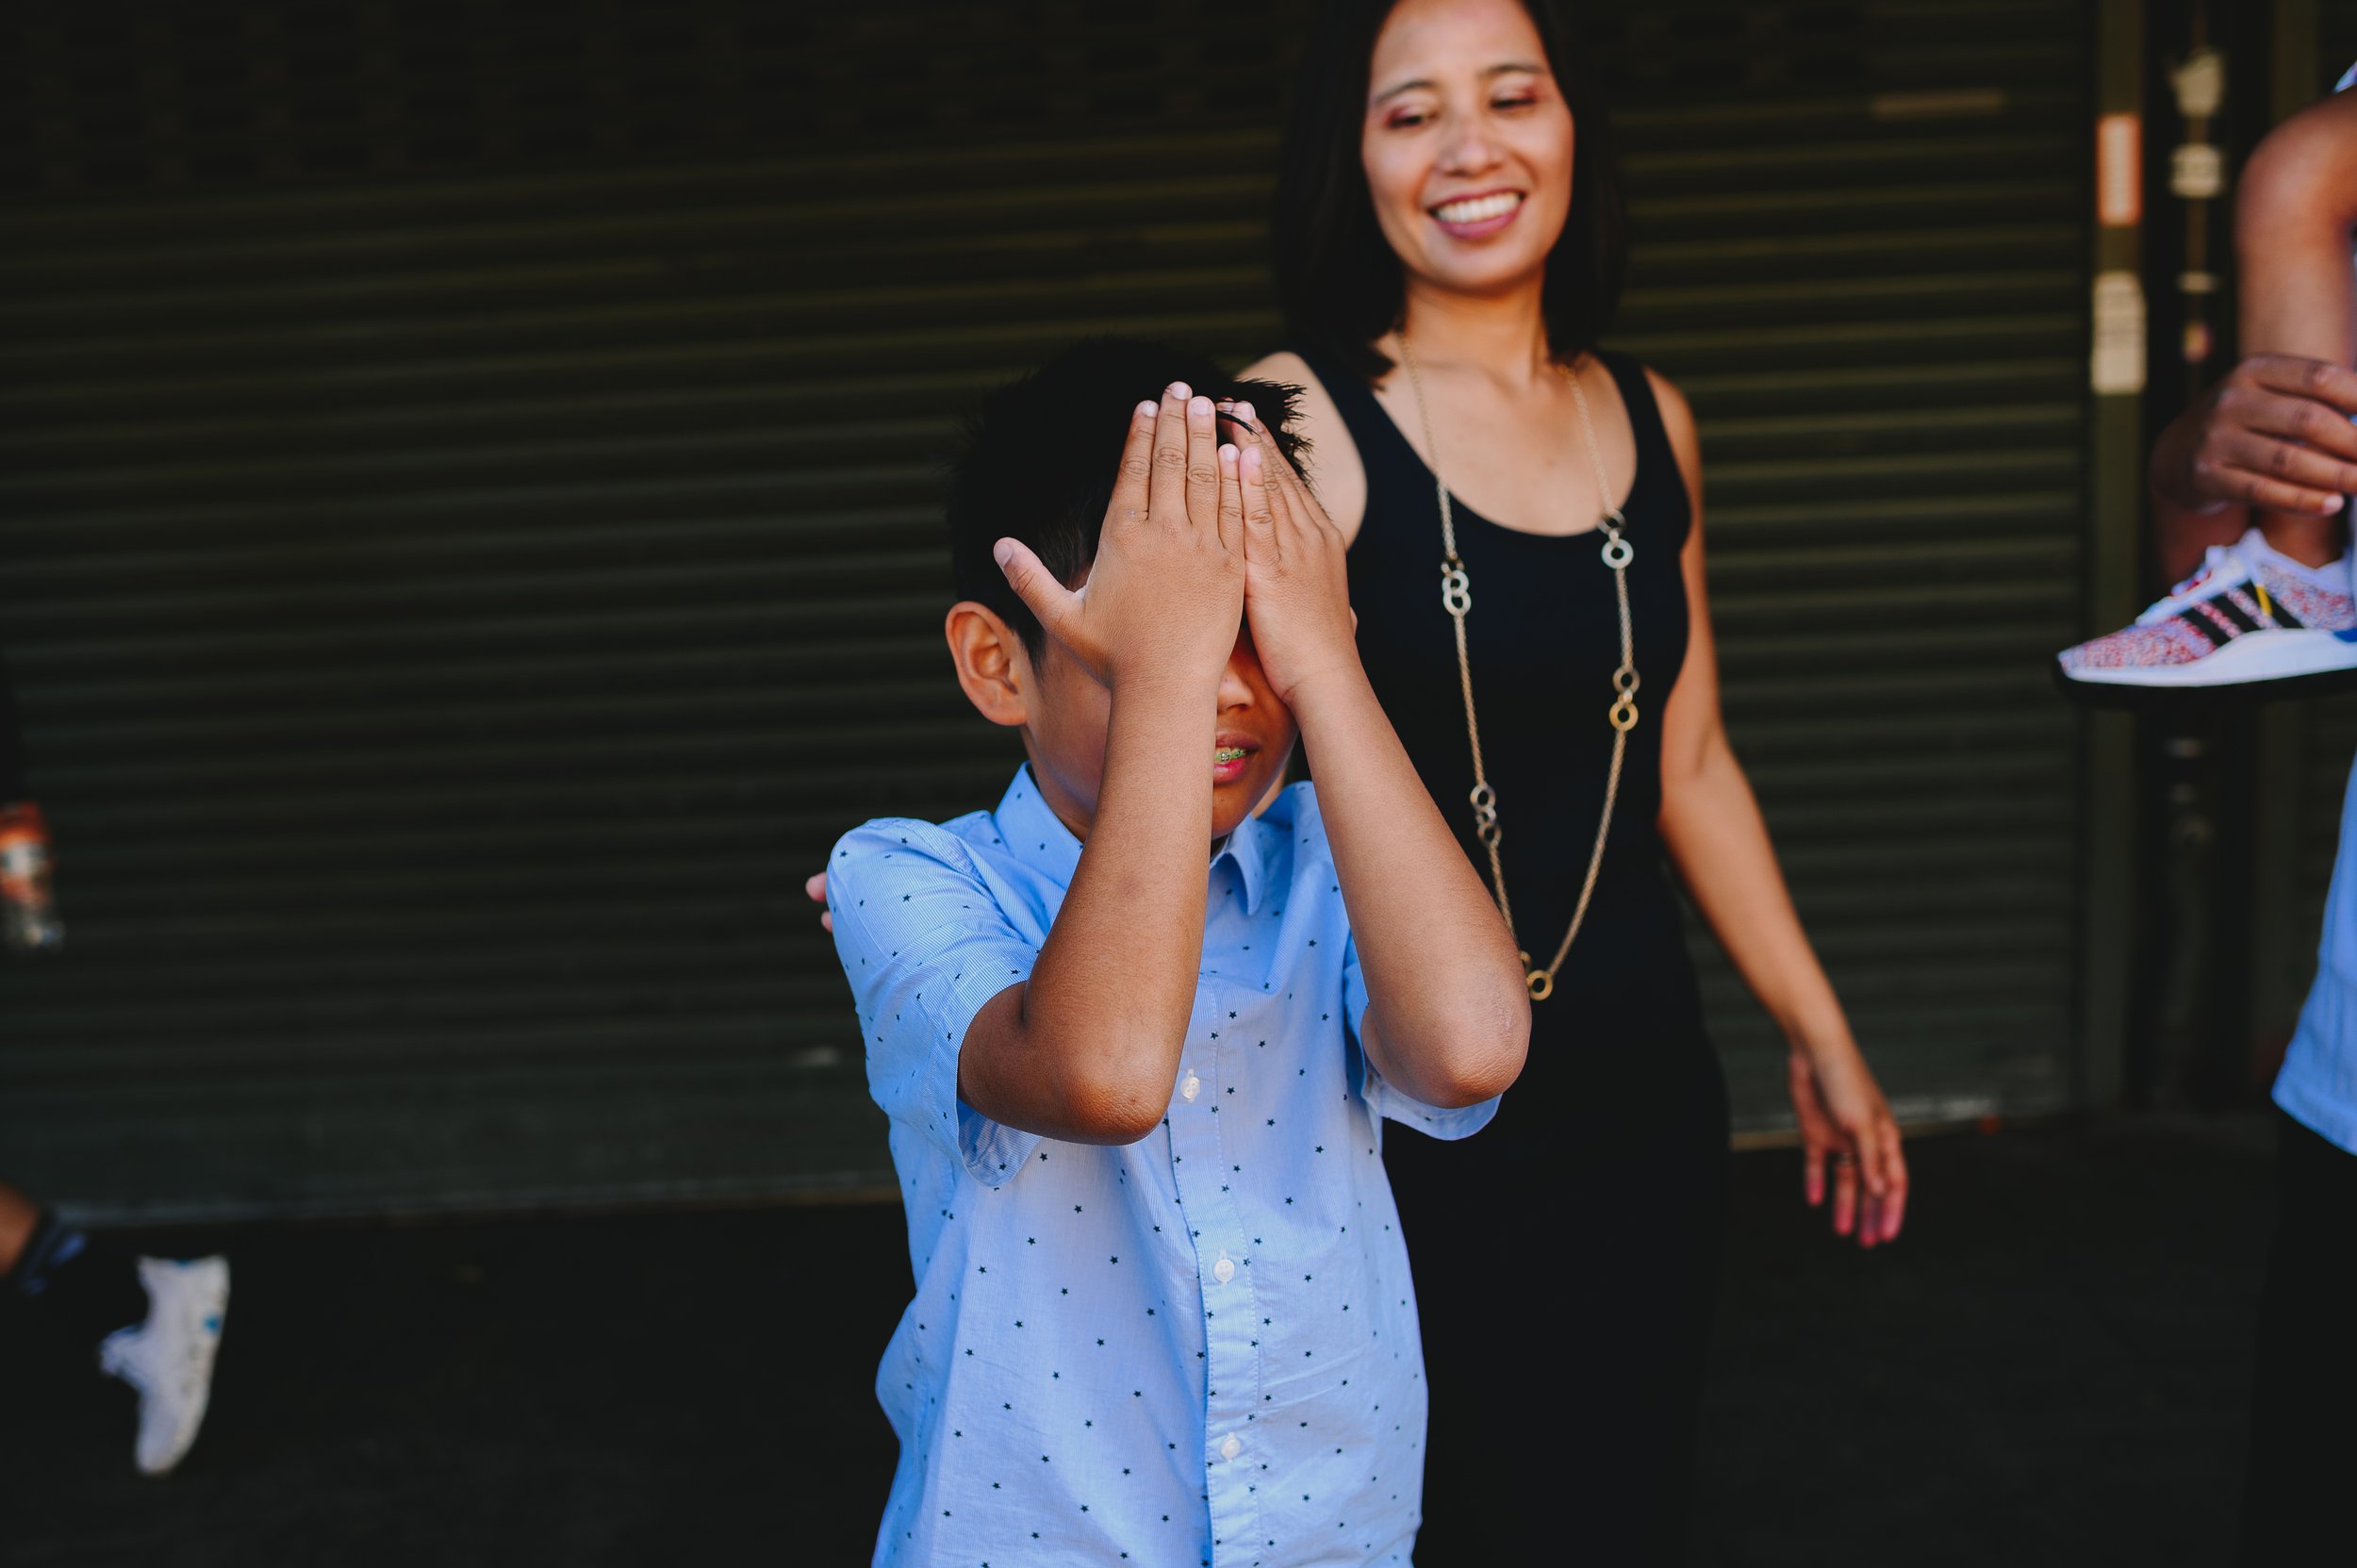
{"x": 1235, "y": 684}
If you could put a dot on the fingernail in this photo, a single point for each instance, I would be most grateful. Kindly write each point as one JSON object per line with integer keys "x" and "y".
{"x": 1199, "y": 408}
{"x": 1147, "y": 411}
{"x": 1246, "y": 409}
{"x": 2334, "y": 505}
{"x": 1227, "y": 453}
{"x": 1003, "y": 552}
{"x": 1180, "y": 390}
{"x": 1252, "y": 461}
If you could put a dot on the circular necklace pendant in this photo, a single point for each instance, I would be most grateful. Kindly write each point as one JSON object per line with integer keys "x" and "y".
{"x": 1541, "y": 984}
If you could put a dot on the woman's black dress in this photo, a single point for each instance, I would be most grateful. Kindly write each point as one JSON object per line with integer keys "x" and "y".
{"x": 1566, "y": 1258}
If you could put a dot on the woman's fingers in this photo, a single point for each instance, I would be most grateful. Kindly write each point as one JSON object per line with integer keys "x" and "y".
{"x": 1813, "y": 1173}
{"x": 1895, "y": 1203}
{"x": 1844, "y": 1195}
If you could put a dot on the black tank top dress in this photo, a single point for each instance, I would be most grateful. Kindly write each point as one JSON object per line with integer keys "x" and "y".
{"x": 1566, "y": 1258}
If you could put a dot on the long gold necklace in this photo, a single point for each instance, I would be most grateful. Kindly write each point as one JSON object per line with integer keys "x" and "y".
{"x": 1457, "y": 598}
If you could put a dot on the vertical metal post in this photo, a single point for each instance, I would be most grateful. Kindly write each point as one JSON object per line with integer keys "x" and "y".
{"x": 2114, "y": 543}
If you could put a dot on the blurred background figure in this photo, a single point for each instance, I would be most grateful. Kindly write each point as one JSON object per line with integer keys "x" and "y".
{"x": 154, "y": 1323}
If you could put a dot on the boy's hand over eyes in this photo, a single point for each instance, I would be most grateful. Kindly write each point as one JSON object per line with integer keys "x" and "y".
{"x": 1298, "y": 586}
{"x": 1166, "y": 592}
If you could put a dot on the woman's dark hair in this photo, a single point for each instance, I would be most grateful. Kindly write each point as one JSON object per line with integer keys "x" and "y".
{"x": 1339, "y": 281}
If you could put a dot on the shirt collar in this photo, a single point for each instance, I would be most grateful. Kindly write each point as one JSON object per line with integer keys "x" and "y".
{"x": 1250, "y": 847}
{"x": 1039, "y": 837}
{"x": 1035, "y": 833}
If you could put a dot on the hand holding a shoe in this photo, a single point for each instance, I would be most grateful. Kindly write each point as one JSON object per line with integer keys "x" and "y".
{"x": 2275, "y": 434}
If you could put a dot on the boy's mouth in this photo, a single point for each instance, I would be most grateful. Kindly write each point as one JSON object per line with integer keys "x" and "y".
{"x": 1228, "y": 760}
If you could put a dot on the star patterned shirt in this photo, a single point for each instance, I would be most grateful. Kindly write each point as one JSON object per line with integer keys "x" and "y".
{"x": 1194, "y": 1352}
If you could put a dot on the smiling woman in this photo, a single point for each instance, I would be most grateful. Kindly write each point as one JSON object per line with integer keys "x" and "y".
{"x": 1449, "y": 250}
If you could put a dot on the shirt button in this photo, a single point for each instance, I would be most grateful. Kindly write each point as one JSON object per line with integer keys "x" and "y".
{"x": 1231, "y": 1448}
{"x": 1190, "y": 1086}
{"x": 1225, "y": 1270}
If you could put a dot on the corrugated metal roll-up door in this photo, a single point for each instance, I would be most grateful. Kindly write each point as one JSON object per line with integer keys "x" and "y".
{"x": 469, "y": 539}
{"x": 1862, "y": 253}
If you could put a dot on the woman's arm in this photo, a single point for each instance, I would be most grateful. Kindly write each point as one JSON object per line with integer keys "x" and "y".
{"x": 1711, "y": 823}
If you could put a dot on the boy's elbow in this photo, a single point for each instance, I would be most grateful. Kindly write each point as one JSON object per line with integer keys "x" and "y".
{"x": 1487, "y": 1057}
{"x": 1113, "y": 1111}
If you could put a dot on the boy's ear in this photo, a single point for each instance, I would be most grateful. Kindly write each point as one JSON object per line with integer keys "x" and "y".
{"x": 994, "y": 667}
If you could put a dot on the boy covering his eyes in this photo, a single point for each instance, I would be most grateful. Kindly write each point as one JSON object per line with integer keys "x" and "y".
{"x": 1134, "y": 1040}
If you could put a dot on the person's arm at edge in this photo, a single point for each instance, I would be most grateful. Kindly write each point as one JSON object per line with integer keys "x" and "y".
{"x": 2274, "y": 433}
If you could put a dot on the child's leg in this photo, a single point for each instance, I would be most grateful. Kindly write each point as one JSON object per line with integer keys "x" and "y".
{"x": 86, "y": 1289}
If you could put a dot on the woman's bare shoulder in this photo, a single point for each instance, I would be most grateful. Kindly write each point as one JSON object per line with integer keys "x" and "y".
{"x": 1677, "y": 422}
{"x": 1334, "y": 470}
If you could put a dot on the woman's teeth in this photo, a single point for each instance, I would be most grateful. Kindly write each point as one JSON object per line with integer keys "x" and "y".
{"x": 1229, "y": 753}
{"x": 1479, "y": 209}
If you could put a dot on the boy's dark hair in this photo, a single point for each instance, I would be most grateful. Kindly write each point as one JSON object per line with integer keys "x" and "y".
{"x": 1338, "y": 278}
{"x": 1041, "y": 455}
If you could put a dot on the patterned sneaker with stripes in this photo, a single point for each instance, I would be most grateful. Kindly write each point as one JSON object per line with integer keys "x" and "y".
{"x": 2250, "y": 617}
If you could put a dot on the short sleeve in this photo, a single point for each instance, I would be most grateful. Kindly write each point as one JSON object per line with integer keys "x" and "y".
{"x": 925, "y": 944}
{"x": 1384, "y": 1100}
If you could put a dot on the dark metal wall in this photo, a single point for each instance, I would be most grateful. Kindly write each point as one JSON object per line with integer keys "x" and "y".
{"x": 468, "y": 542}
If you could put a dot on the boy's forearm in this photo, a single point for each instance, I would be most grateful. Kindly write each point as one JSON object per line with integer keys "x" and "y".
{"x": 1091, "y": 1049}
{"x": 1448, "y": 1012}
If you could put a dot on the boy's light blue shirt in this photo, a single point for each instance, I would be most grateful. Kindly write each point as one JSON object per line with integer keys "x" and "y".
{"x": 1200, "y": 1348}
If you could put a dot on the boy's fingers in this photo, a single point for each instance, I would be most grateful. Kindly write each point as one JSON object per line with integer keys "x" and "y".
{"x": 1813, "y": 1176}
{"x": 1202, "y": 464}
{"x": 1260, "y": 522}
{"x": 815, "y": 888}
{"x": 1137, "y": 463}
{"x": 1230, "y": 498}
{"x": 1166, "y": 490}
{"x": 1033, "y": 584}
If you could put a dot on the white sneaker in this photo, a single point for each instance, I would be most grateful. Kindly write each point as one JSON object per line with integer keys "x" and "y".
{"x": 2250, "y": 617}
{"x": 169, "y": 1357}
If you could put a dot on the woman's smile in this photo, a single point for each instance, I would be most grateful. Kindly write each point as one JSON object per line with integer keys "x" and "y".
{"x": 1480, "y": 215}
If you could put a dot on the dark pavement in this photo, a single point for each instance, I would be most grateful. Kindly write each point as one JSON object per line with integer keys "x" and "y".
{"x": 2050, "y": 1368}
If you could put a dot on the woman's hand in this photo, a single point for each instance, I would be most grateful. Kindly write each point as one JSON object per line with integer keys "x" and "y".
{"x": 1845, "y": 1122}
{"x": 816, "y": 888}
